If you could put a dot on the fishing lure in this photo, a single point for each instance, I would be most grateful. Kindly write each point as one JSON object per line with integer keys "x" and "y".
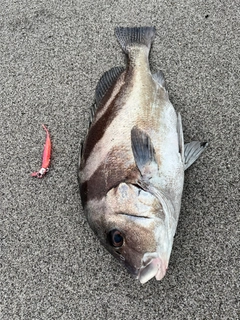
{"x": 45, "y": 158}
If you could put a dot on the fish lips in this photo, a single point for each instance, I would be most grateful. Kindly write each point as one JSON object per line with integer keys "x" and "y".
{"x": 152, "y": 267}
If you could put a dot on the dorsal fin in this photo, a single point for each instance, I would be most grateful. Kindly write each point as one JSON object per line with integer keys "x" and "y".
{"x": 180, "y": 136}
{"x": 93, "y": 110}
{"x": 105, "y": 83}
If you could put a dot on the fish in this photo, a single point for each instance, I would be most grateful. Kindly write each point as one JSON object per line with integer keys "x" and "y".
{"x": 46, "y": 157}
{"x": 132, "y": 161}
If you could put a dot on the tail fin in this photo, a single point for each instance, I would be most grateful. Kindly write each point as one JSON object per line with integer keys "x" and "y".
{"x": 128, "y": 37}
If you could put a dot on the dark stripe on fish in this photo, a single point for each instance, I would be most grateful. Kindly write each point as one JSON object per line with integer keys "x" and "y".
{"x": 98, "y": 128}
{"x": 107, "y": 177}
{"x": 97, "y": 131}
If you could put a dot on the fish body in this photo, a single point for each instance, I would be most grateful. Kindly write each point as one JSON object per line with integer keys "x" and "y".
{"x": 133, "y": 159}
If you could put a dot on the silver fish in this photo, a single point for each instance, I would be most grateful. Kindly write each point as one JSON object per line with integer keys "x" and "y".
{"x": 132, "y": 161}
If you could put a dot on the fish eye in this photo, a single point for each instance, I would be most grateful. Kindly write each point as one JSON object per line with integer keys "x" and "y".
{"x": 115, "y": 238}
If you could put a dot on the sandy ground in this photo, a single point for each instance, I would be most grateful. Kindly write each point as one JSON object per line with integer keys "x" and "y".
{"x": 52, "y": 54}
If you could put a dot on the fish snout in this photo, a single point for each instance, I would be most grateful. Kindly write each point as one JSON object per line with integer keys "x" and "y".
{"x": 155, "y": 267}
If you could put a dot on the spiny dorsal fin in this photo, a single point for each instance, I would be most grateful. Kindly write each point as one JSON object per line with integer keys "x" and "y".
{"x": 105, "y": 83}
{"x": 144, "y": 152}
{"x": 127, "y": 37}
{"x": 180, "y": 136}
{"x": 93, "y": 110}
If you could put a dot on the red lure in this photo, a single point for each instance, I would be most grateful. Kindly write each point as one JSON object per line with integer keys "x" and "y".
{"x": 45, "y": 158}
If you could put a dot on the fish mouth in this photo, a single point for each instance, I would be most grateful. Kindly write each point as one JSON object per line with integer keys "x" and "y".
{"x": 155, "y": 267}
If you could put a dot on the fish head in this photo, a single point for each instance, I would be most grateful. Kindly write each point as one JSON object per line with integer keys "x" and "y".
{"x": 130, "y": 223}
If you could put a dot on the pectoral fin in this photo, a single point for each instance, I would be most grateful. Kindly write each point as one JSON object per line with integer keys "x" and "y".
{"x": 144, "y": 155}
{"x": 144, "y": 152}
{"x": 192, "y": 151}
